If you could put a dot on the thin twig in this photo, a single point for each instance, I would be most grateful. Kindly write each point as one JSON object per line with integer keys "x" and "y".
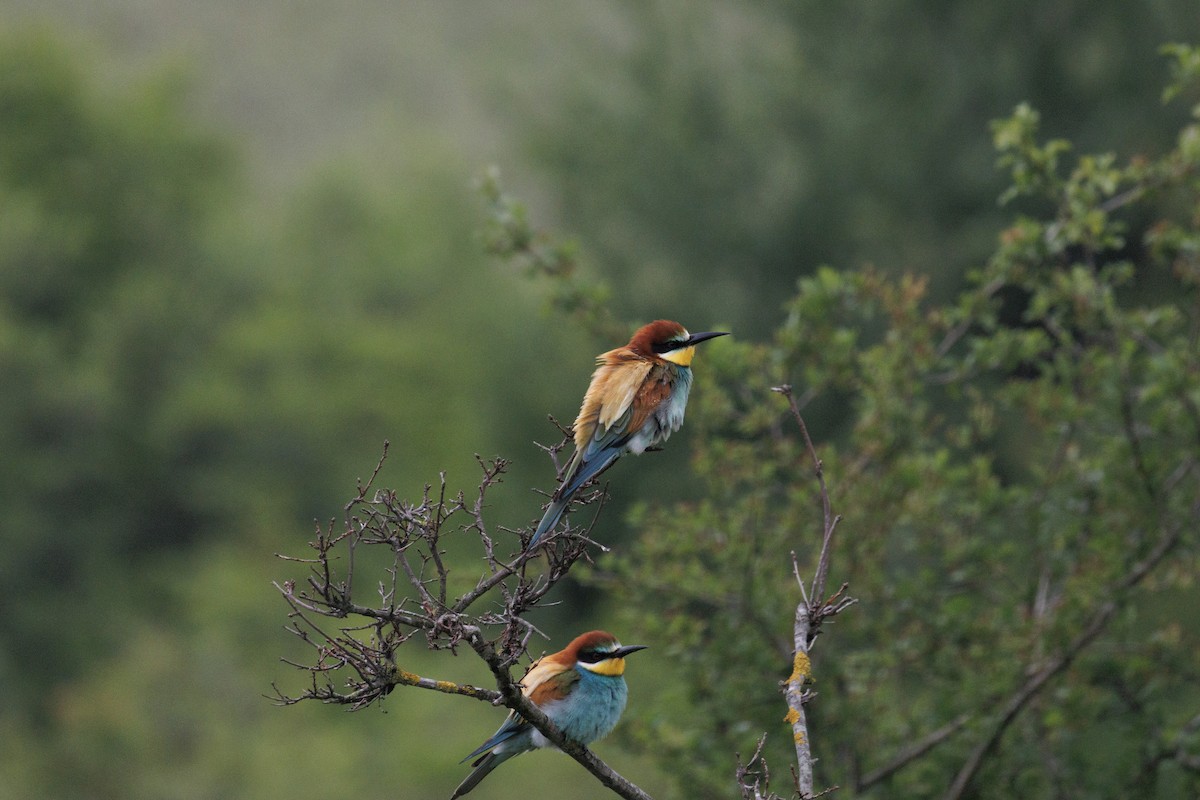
{"x": 753, "y": 777}
{"x": 911, "y": 753}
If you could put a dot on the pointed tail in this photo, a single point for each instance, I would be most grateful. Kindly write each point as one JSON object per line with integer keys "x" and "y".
{"x": 587, "y": 469}
{"x": 549, "y": 520}
{"x": 482, "y": 767}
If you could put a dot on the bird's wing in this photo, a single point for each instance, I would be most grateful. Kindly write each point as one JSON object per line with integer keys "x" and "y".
{"x": 555, "y": 687}
{"x": 537, "y": 674}
{"x": 603, "y": 426}
{"x": 609, "y": 397}
{"x": 620, "y": 390}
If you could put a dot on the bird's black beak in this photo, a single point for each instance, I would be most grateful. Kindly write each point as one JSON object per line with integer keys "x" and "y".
{"x": 697, "y": 338}
{"x": 621, "y": 652}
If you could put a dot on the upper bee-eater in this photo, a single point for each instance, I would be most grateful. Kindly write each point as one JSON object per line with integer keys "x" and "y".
{"x": 636, "y": 400}
{"x": 581, "y": 690}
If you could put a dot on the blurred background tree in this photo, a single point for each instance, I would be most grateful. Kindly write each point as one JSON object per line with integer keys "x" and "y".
{"x": 1020, "y": 501}
{"x": 238, "y": 249}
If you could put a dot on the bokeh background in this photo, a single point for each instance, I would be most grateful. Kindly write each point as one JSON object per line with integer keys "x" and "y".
{"x": 240, "y": 248}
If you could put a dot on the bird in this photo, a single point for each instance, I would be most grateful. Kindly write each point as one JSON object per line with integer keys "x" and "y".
{"x": 635, "y": 401}
{"x": 580, "y": 688}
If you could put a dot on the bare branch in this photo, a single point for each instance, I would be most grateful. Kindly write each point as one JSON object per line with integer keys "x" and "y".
{"x": 405, "y": 678}
{"x": 795, "y": 694}
{"x": 810, "y": 613}
{"x": 753, "y": 776}
{"x": 818, "y": 584}
{"x": 355, "y": 663}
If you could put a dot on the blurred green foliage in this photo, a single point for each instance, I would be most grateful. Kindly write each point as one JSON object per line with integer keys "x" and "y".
{"x": 189, "y": 382}
{"x": 208, "y": 328}
{"x": 731, "y": 147}
{"x": 104, "y": 208}
{"x": 1019, "y": 486}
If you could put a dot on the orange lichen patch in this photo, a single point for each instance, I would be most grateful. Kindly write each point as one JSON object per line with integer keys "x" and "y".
{"x": 792, "y": 717}
{"x": 801, "y": 668}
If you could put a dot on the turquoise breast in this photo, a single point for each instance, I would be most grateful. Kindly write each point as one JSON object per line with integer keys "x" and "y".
{"x": 593, "y": 708}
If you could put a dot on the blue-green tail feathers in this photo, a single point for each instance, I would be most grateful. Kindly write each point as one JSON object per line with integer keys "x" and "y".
{"x": 488, "y": 761}
{"x": 483, "y": 766}
{"x": 588, "y": 469}
{"x": 511, "y": 727}
{"x": 549, "y": 520}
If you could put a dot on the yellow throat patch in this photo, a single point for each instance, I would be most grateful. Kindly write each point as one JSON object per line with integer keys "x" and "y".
{"x": 682, "y": 356}
{"x": 612, "y": 667}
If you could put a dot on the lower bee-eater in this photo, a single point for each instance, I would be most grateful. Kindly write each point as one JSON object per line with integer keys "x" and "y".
{"x": 581, "y": 690}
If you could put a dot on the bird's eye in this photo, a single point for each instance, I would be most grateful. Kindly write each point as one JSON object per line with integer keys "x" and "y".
{"x": 668, "y": 346}
{"x": 592, "y": 656}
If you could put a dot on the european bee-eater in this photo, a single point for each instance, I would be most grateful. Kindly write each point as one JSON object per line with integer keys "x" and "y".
{"x": 581, "y": 690}
{"x": 635, "y": 401}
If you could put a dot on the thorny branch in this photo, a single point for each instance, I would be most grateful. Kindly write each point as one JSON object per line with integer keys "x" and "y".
{"x": 356, "y": 646}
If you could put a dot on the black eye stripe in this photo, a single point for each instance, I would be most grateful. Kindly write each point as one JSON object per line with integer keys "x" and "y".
{"x": 593, "y": 656}
{"x": 666, "y": 347}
